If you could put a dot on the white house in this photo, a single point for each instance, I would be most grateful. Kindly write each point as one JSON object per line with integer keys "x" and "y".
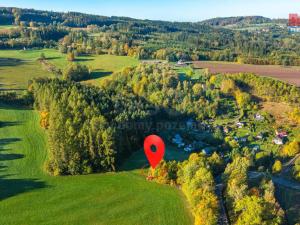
{"x": 178, "y": 141}
{"x": 240, "y": 124}
{"x": 256, "y": 148}
{"x": 278, "y": 141}
{"x": 259, "y": 136}
{"x": 259, "y": 117}
{"x": 188, "y": 148}
{"x": 181, "y": 63}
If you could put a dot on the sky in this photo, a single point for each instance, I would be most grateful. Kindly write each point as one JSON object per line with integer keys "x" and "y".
{"x": 171, "y": 10}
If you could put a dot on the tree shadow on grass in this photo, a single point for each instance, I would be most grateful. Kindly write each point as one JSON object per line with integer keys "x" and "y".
{"x": 83, "y": 60}
{"x": 14, "y": 107}
{"x": 52, "y": 58}
{"x": 12, "y": 89}
{"x": 2, "y": 167}
{"x": 8, "y": 124}
{"x": 8, "y": 157}
{"x": 10, "y": 187}
{"x": 13, "y": 187}
{"x": 10, "y": 62}
{"x": 100, "y": 74}
{"x": 7, "y": 141}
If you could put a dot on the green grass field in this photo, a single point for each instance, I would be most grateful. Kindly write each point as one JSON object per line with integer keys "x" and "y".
{"x": 7, "y": 27}
{"x": 29, "y": 196}
{"x": 17, "y": 67}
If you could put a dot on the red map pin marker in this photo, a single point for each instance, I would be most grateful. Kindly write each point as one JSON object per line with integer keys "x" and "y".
{"x": 154, "y": 158}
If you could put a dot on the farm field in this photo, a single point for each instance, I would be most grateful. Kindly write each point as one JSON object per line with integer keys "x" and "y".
{"x": 288, "y": 74}
{"x": 17, "y": 67}
{"x": 112, "y": 198}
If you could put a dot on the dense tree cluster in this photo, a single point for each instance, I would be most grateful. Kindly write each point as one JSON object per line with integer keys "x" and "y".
{"x": 247, "y": 205}
{"x": 144, "y": 93}
{"x": 84, "y": 125}
{"x": 23, "y": 37}
{"x": 198, "y": 185}
{"x": 76, "y": 72}
{"x": 267, "y": 88}
{"x": 291, "y": 149}
{"x": 224, "y": 21}
{"x": 161, "y": 86}
{"x": 195, "y": 177}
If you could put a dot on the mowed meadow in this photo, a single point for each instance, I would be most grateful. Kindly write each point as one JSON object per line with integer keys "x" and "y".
{"x": 19, "y": 66}
{"x": 28, "y": 195}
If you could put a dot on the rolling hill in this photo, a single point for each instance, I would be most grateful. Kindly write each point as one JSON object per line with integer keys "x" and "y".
{"x": 28, "y": 194}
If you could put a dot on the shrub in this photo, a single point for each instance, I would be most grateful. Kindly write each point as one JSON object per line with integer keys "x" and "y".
{"x": 277, "y": 167}
{"x": 228, "y": 86}
{"x": 71, "y": 56}
{"x": 291, "y": 149}
{"x": 76, "y": 72}
{"x": 164, "y": 173}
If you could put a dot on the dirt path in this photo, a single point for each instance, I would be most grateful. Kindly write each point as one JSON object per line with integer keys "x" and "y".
{"x": 287, "y": 166}
{"x": 223, "y": 218}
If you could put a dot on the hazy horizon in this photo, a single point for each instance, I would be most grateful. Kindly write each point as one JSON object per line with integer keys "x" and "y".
{"x": 176, "y": 10}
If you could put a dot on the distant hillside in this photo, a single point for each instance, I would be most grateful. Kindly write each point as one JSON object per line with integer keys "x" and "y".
{"x": 241, "y": 20}
{"x": 16, "y": 16}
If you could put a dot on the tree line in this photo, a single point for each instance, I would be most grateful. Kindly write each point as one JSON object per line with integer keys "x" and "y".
{"x": 150, "y": 39}
{"x": 83, "y": 126}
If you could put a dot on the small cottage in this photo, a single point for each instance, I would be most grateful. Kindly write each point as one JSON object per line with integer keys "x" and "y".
{"x": 181, "y": 63}
{"x": 281, "y": 134}
{"x": 188, "y": 148}
{"x": 178, "y": 141}
{"x": 240, "y": 124}
{"x": 259, "y": 117}
{"x": 278, "y": 141}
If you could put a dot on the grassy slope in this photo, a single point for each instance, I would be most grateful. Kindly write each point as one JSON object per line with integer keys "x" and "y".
{"x": 16, "y": 74}
{"x": 28, "y": 196}
{"x": 18, "y": 69}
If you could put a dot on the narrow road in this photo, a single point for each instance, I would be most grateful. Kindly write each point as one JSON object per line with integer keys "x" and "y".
{"x": 277, "y": 180}
{"x": 287, "y": 166}
{"x": 223, "y": 218}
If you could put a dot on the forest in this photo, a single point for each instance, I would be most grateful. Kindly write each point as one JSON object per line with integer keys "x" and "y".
{"x": 136, "y": 95}
{"x": 144, "y": 39}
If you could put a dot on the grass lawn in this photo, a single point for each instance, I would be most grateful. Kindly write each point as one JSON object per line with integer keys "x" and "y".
{"x": 29, "y": 196}
{"x": 104, "y": 65}
{"x": 184, "y": 71}
{"x": 17, "y": 67}
{"x": 139, "y": 160}
{"x": 7, "y": 27}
